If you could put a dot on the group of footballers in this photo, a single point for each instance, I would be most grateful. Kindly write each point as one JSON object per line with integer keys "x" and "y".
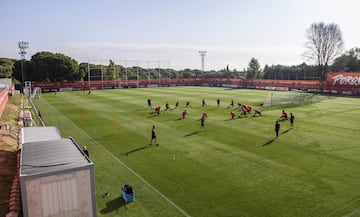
{"x": 244, "y": 110}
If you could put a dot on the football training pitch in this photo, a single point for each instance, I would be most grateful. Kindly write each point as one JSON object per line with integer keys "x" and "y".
{"x": 232, "y": 168}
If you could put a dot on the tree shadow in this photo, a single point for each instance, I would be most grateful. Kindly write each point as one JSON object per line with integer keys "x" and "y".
{"x": 136, "y": 150}
{"x": 269, "y": 142}
{"x": 117, "y": 204}
{"x": 191, "y": 134}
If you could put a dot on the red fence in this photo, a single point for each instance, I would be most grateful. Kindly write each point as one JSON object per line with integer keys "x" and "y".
{"x": 336, "y": 83}
{"x": 4, "y": 97}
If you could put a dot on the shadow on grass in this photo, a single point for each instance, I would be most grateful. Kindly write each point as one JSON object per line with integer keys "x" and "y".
{"x": 272, "y": 140}
{"x": 152, "y": 115}
{"x": 179, "y": 119}
{"x": 286, "y": 131}
{"x": 144, "y": 109}
{"x": 137, "y": 149}
{"x": 193, "y": 133}
{"x": 117, "y": 204}
{"x": 212, "y": 109}
{"x": 269, "y": 142}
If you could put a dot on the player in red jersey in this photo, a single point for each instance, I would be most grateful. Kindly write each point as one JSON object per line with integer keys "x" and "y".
{"x": 232, "y": 113}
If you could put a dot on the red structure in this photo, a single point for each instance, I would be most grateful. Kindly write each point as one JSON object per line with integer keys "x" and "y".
{"x": 342, "y": 83}
{"x": 4, "y": 98}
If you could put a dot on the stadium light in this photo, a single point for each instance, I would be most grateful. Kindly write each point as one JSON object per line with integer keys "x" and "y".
{"x": 22, "y": 46}
{"x": 202, "y": 55}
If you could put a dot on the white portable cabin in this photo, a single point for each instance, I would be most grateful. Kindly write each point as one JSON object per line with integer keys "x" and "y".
{"x": 37, "y": 134}
{"x": 56, "y": 178}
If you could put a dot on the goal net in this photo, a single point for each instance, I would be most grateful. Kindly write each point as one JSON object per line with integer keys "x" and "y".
{"x": 284, "y": 98}
{"x": 36, "y": 92}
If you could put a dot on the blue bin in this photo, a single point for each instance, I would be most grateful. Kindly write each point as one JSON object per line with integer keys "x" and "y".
{"x": 127, "y": 193}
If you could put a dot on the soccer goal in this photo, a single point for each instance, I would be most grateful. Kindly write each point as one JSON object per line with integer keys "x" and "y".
{"x": 36, "y": 92}
{"x": 284, "y": 98}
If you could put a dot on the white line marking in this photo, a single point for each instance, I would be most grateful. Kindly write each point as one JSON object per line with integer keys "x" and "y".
{"x": 123, "y": 164}
{"x": 352, "y": 213}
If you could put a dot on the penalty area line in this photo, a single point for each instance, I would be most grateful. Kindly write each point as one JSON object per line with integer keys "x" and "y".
{"x": 124, "y": 165}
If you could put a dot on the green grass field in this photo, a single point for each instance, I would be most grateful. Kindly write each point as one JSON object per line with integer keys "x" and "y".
{"x": 233, "y": 168}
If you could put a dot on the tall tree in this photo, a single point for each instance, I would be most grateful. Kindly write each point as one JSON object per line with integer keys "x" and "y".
{"x": 253, "y": 69}
{"x": 47, "y": 66}
{"x": 324, "y": 43}
{"x": 112, "y": 72}
{"x": 6, "y": 67}
{"x": 348, "y": 62}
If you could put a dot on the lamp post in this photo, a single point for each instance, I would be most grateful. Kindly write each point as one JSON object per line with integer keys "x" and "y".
{"x": 202, "y": 55}
{"x": 22, "y": 46}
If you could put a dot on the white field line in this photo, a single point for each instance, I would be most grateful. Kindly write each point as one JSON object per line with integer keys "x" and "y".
{"x": 123, "y": 164}
{"x": 352, "y": 213}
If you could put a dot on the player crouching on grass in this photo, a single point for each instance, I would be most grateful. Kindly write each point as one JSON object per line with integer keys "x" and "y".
{"x": 157, "y": 110}
{"x": 284, "y": 116}
{"x": 248, "y": 109}
{"x": 232, "y": 113}
{"x": 257, "y": 112}
{"x": 243, "y": 111}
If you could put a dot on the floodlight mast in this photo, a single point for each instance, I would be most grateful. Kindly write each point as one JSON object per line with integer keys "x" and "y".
{"x": 202, "y": 55}
{"x": 22, "y": 46}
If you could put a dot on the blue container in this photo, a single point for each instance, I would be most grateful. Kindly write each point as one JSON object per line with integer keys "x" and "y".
{"x": 127, "y": 193}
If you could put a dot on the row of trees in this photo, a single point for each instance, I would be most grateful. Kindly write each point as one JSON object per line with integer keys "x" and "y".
{"x": 324, "y": 44}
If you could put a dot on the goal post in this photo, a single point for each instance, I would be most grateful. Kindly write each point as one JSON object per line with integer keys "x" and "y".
{"x": 284, "y": 98}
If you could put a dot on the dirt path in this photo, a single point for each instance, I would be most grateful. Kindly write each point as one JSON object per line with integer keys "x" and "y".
{"x": 9, "y": 140}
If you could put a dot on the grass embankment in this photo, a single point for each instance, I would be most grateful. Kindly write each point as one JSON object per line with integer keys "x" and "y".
{"x": 8, "y": 149}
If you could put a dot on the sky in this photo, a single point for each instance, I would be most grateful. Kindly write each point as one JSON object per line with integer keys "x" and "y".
{"x": 170, "y": 33}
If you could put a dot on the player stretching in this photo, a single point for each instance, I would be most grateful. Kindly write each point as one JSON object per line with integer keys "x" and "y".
{"x": 203, "y": 103}
{"x": 167, "y": 106}
{"x": 184, "y": 114}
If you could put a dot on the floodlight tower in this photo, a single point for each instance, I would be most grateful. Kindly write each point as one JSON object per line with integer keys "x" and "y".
{"x": 22, "y": 46}
{"x": 202, "y": 55}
